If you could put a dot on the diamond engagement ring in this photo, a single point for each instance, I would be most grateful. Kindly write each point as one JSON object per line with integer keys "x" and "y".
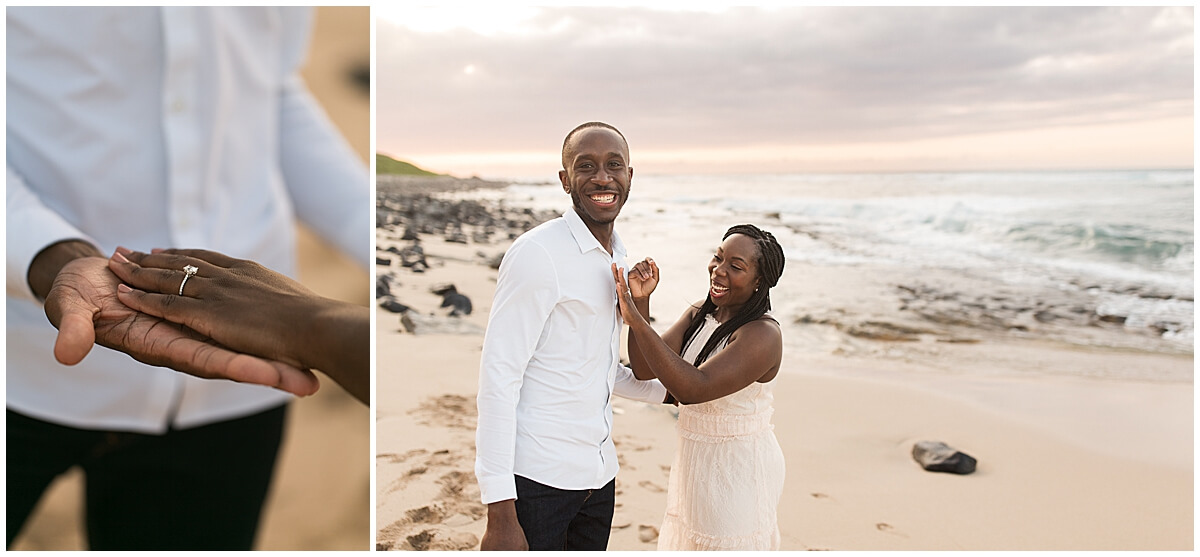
{"x": 188, "y": 271}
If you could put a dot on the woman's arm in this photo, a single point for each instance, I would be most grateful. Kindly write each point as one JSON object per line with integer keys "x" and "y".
{"x": 753, "y": 352}
{"x": 643, "y": 279}
{"x": 251, "y": 309}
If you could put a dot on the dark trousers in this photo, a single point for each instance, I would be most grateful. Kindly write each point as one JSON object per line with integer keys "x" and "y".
{"x": 189, "y": 489}
{"x": 565, "y": 520}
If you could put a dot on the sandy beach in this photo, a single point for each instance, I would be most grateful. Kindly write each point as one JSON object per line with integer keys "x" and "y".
{"x": 1065, "y": 462}
{"x": 320, "y": 496}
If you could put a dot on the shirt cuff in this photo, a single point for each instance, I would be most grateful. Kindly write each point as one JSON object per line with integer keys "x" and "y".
{"x": 30, "y": 227}
{"x": 499, "y": 488}
{"x": 657, "y": 392}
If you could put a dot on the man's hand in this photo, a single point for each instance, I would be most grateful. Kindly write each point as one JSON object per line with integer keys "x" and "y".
{"x": 503, "y": 532}
{"x": 82, "y": 303}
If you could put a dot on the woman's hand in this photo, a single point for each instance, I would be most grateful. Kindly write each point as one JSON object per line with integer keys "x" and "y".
{"x": 625, "y": 301}
{"x": 643, "y": 279}
{"x": 251, "y": 309}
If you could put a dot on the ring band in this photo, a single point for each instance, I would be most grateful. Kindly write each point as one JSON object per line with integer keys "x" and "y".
{"x": 188, "y": 271}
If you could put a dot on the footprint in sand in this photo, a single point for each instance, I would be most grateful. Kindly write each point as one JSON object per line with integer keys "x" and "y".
{"x": 651, "y": 486}
{"x": 444, "y": 458}
{"x": 393, "y": 458}
{"x": 456, "y": 483}
{"x": 819, "y": 496}
{"x": 438, "y": 524}
{"x": 888, "y": 529}
{"x": 453, "y": 411}
{"x": 438, "y": 540}
{"x": 647, "y": 533}
{"x": 427, "y": 515}
{"x": 433, "y": 527}
{"x": 624, "y": 442}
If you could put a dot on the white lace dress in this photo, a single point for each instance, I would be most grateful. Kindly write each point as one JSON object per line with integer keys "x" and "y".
{"x": 727, "y": 478}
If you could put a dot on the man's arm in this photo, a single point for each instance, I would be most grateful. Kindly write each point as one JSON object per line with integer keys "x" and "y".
{"x": 32, "y": 229}
{"x": 526, "y": 292}
{"x": 329, "y": 184}
{"x": 629, "y": 386}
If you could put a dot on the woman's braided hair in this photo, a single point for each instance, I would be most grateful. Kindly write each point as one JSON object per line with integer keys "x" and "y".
{"x": 769, "y": 264}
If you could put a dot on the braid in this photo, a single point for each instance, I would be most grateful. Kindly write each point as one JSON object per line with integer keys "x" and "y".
{"x": 769, "y": 263}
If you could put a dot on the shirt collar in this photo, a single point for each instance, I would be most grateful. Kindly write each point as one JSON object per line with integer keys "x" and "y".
{"x": 584, "y": 238}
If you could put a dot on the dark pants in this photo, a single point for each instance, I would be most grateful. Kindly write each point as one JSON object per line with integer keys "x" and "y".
{"x": 189, "y": 489}
{"x": 565, "y": 520}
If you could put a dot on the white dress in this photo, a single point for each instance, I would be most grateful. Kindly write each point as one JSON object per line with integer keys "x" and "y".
{"x": 727, "y": 478}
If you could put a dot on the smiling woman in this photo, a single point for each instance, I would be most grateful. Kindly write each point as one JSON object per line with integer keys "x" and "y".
{"x": 719, "y": 360}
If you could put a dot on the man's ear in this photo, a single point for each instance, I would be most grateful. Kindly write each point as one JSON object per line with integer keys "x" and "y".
{"x": 562, "y": 177}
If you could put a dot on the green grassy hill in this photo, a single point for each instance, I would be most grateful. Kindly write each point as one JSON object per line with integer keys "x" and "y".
{"x": 387, "y": 165}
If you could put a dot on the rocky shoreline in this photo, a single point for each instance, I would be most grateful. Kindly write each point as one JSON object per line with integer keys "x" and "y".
{"x": 413, "y": 212}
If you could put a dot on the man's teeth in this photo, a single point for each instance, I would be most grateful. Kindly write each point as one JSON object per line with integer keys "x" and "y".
{"x": 604, "y": 198}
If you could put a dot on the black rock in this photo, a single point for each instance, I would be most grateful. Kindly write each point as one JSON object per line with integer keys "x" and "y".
{"x": 383, "y": 287}
{"x": 452, "y": 299}
{"x": 389, "y": 303}
{"x": 936, "y": 456}
{"x": 494, "y": 262}
{"x": 383, "y": 261}
{"x": 412, "y": 255}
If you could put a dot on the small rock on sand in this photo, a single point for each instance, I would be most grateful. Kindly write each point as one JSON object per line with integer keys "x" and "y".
{"x": 648, "y": 533}
{"x": 936, "y": 456}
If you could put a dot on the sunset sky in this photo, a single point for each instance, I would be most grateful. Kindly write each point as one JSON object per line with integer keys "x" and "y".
{"x": 473, "y": 91}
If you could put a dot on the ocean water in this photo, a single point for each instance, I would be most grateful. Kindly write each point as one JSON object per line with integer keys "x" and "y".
{"x": 1092, "y": 258}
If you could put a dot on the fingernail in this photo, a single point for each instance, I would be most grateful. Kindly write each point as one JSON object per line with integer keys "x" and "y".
{"x": 120, "y": 257}
{"x": 123, "y": 250}
{"x": 123, "y": 288}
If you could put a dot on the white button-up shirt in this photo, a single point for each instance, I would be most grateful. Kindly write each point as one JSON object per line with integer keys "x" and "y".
{"x": 161, "y": 127}
{"x": 550, "y": 364}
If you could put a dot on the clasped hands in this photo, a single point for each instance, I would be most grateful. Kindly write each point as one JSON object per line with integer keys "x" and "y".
{"x": 235, "y": 320}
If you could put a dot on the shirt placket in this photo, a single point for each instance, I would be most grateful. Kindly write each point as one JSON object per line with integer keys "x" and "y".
{"x": 183, "y": 135}
{"x": 183, "y": 144}
{"x": 614, "y": 358}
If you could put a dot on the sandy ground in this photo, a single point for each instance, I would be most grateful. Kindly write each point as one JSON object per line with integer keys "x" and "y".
{"x": 1064, "y": 463}
{"x": 320, "y": 499}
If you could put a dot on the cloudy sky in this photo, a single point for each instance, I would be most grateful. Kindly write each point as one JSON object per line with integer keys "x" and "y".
{"x": 788, "y": 89}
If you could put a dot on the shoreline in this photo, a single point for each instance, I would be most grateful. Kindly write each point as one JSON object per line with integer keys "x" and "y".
{"x": 1064, "y": 462}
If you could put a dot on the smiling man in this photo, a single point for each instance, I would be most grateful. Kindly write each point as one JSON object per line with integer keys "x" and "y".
{"x": 546, "y": 462}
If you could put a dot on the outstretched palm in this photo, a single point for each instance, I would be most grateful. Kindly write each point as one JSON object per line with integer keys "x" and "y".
{"x": 83, "y": 305}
